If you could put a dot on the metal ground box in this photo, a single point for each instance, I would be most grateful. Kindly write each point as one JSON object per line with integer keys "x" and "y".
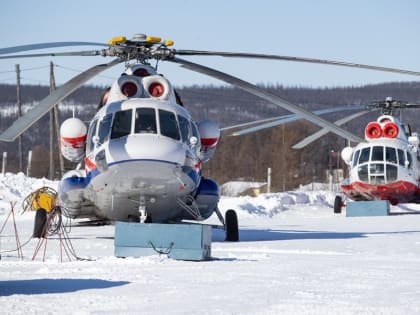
{"x": 177, "y": 241}
{"x": 367, "y": 208}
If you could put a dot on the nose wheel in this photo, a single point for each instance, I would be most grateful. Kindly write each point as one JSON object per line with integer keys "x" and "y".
{"x": 338, "y": 204}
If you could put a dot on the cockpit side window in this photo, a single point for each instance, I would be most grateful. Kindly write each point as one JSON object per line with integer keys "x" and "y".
{"x": 91, "y": 133}
{"x": 401, "y": 157}
{"x": 410, "y": 160}
{"x": 145, "y": 121}
{"x": 184, "y": 125}
{"x": 121, "y": 126}
{"x": 195, "y": 131}
{"x": 104, "y": 128}
{"x": 364, "y": 155}
{"x": 168, "y": 124}
{"x": 356, "y": 157}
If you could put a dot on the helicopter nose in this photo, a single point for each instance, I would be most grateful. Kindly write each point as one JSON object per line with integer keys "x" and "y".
{"x": 147, "y": 147}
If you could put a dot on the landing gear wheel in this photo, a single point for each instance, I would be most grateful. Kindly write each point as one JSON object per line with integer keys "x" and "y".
{"x": 231, "y": 226}
{"x": 40, "y": 222}
{"x": 338, "y": 204}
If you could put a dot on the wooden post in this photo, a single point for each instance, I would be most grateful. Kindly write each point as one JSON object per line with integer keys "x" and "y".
{"x": 3, "y": 168}
{"x": 29, "y": 168}
{"x": 268, "y": 180}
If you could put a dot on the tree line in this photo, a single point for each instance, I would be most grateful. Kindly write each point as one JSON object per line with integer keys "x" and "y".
{"x": 245, "y": 157}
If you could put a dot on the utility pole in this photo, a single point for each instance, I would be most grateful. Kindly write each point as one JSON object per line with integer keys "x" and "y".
{"x": 19, "y": 106}
{"x": 57, "y": 132}
{"x": 52, "y": 170}
{"x": 283, "y": 164}
{"x": 54, "y": 121}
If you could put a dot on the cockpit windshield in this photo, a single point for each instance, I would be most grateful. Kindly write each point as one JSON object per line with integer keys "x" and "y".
{"x": 379, "y": 164}
{"x": 145, "y": 121}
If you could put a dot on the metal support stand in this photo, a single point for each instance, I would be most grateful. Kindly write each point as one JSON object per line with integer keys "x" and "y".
{"x": 52, "y": 227}
{"x": 12, "y": 213}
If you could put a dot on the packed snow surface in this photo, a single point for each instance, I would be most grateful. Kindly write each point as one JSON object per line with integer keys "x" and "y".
{"x": 295, "y": 257}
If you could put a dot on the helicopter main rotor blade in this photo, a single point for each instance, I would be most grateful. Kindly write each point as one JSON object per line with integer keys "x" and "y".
{"x": 253, "y": 89}
{"x": 293, "y": 59}
{"x": 308, "y": 140}
{"x": 256, "y": 122}
{"x": 55, "y": 54}
{"x": 287, "y": 119}
{"x": 39, "y": 110}
{"x": 15, "y": 49}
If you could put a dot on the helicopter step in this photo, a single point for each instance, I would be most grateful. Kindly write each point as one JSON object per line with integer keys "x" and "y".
{"x": 181, "y": 241}
{"x": 367, "y": 208}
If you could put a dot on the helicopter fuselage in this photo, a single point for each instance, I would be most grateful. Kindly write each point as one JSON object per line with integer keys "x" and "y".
{"x": 143, "y": 157}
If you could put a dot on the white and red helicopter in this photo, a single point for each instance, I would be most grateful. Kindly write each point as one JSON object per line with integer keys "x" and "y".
{"x": 141, "y": 156}
{"x": 383, "y": 167}
{"x": 386, "y": 166}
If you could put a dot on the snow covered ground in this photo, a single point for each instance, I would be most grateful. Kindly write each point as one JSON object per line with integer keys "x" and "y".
{"x": 295, "y": 257}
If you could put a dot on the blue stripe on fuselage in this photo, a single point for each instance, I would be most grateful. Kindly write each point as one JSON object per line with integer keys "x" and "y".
{"x": 71, "y": 183}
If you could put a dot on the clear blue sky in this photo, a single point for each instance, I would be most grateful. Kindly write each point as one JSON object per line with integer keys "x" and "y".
{"x": 384, "y": 33}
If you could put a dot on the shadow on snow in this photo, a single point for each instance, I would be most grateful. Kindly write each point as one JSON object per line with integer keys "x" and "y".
{"x": 45, "y": 286}
{"x": 256, "y": 235}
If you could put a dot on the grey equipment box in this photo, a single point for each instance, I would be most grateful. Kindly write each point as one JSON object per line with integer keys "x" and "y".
{"x": 181, "y": 241}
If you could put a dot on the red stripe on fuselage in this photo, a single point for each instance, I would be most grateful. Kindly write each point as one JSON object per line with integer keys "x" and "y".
{"x": 89, "y": 165}
{"x": 395, "y": 192}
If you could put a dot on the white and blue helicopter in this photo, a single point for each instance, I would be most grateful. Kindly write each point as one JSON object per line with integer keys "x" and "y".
{"x": 140, "y": 157}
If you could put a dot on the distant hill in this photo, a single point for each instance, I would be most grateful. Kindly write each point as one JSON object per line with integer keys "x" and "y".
{"x": 246, "y": 157}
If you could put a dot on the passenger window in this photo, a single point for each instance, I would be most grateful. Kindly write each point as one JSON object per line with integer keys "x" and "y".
{"x": 401, "y": 157}
{"x": 92, "y": 130}
{"x": 168, "y": 124}
{"x": 104, "y": 128}
{"x": 121, "y": 125}
{"x": 184, "y": 125}
{"x": 145, "y": 121}
{"x": 377, "y": 153}
{"x": 364, "y": 155}
{"x": 391, "y": 155}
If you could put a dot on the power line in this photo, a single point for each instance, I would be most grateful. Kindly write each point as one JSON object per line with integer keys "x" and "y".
{"x": 27, "y": 69}
{"x": 35, "y": 80}
{"x": 80, "y": 71}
